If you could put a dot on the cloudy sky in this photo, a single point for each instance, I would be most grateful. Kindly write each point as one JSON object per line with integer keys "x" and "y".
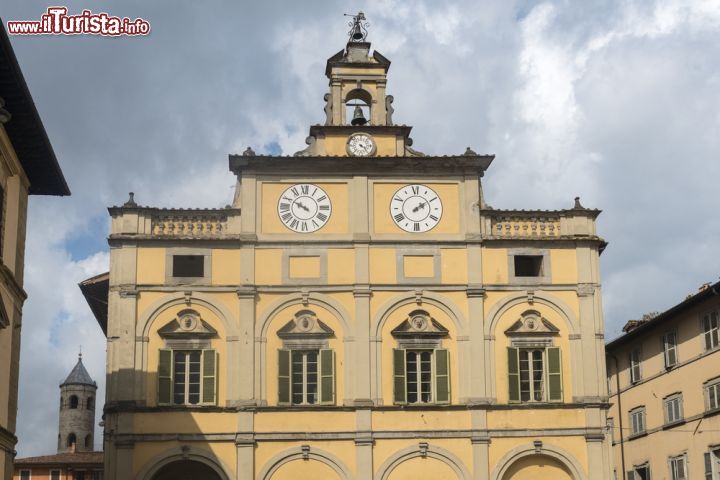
{"x": 615, "y": 101}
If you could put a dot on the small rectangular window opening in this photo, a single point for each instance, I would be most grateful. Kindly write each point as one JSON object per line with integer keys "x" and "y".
{"x": 528, "y": 265}
{"x": 188, "y": 266}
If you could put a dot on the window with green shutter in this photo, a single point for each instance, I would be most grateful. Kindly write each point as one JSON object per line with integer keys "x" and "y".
{"x": 554, "y": 373}
{"x": 534, "y": 374}
{"x": 306, "y": 377}
{"x": 165, "y": 377}
{"x": 421, "y": 376}
{"x": 283, "y": 377}
{"x": 399, "y": 394}
{"x": 513, "y": 375}
{"x": 442, "y": 376}
{"x": 327, "y": 377}
{"x": 209, "y": 375}
{"x": 187, "y": 377}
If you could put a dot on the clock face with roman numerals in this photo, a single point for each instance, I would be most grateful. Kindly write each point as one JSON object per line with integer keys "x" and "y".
{"x": 416, "y": 208}
{"x": 304, "y": 208}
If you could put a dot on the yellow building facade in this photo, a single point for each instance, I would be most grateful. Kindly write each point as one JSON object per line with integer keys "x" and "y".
{"x": 28, "y": 166}
{"x": 358, "y": 312}
{"x": 664, "y": 380}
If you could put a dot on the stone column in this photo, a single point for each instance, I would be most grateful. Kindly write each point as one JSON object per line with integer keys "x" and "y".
{"x": 245, "y": 446}
{"x": 364, "y": 445}
{"x": 598, "y": 468}
{"x": 242, "y": 351}
{"x": 480, "y": 445}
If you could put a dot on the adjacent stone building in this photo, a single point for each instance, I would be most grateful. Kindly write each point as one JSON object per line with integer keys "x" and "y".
{"x": 77, "y": 411}
{"x": 358, "y": 312}
{"x": 664, "y": 380}
{"x": 75, "y": 458}
{"x": 28, "y": 166}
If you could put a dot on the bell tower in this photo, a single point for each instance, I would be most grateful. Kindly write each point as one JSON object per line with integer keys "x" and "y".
{"x": 357, "y": 81}
{"x": 357, "y": 105}
{"x": 77, "y": 411}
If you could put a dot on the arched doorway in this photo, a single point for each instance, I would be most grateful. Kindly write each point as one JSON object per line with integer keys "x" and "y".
{"x": 537, "y": 467}
{"x": 186, "y": 470}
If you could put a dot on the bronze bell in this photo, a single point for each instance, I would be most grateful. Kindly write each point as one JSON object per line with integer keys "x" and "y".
{"x": 357, "y": 35}
{"x": 358, "y": 117}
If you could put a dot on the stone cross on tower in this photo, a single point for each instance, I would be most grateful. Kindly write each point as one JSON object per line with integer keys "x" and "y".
{"x": 77, "y": 411}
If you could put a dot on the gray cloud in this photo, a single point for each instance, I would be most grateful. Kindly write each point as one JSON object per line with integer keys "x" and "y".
{"x": 613, "y": 101}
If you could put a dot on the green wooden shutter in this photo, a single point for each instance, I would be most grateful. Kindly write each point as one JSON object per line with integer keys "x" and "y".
{"x": 283, "y": 377}
{"x": 209, "y": 376}
{"x": 513, "y": 375}
{"x": 554, "y": 371}
{"x": 327, "y": 376}
{"x": 442, "y": 376}
{"x": 708, "y": 466}
{"x": 165, "y": 377}
{"x": 399, "y": 376}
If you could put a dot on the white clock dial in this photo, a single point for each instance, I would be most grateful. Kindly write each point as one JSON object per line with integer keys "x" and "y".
{"x": 361, "y": 145}
{"x": 304, "y": 208}
{"x": 416, "y": 208}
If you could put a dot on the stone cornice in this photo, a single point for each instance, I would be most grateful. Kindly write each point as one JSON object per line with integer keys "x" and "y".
{"x": 451, "y": 165}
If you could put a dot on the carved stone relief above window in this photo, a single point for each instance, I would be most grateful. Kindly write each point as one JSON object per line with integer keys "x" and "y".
{"x": 305, "y": 331}
{"x": 532, "y": 329}
{"x": 419, "y": 330}
{"x": 187, "y": 330}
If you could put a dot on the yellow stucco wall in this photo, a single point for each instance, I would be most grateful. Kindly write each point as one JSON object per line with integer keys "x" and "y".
{"x": 151, "y": 266}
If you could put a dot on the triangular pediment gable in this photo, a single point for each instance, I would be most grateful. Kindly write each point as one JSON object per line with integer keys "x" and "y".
{"x": 305, "y": 324}
{"x": 420, "y": 324}
{"x": 187, "y": 324}
{"x": 532, "y": 323}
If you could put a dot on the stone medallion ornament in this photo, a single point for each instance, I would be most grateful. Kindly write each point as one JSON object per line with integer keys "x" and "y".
{"x": 416, "y": 208}
{"x": 304, "y": 208}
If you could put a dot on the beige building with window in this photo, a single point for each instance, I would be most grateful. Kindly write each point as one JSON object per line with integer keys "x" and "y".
{"x": 664, "y": 380}
{"x": 358, "y": 312}
{"x": 28, "y": 166}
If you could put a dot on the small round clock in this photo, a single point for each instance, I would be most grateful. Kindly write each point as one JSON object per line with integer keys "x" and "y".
{"x": 416, "y": 208}
{"x": 361, "y": 145}
{"x": 304, "y": 208}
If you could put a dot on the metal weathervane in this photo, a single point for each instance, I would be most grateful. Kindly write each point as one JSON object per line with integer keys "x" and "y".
{"x": 358, "y": 27}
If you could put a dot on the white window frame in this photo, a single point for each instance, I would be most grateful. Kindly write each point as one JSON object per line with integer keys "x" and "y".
{"x": 634, "y": 475}
{"x": 673, "y": 409}
{"x": 711, "y": 330}
{"x": 304, "y": 373}
{"x": 670, "y": 348}
{"x": 186, "y": 376}
{"x": 53, "y": 472}
{"x": 418, "y": 372}
{"x": 677, "y": 473}
{"x": 27, "y": 471}
{"x": 714, "y": 473}
{"x": 635, "y": 357}
{"x": 637, "y": 417}
{"x": 530, "y": 371}
{"x": 712, "y": 389}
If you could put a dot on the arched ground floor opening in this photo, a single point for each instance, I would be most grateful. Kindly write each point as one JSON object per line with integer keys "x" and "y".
{"x": 186, "y": 470}
{"x": 537, "y": 467}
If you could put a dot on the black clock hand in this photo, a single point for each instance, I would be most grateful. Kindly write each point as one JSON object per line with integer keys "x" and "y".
{"x": 302, "y": 206}
{"x": 419, "y": 207}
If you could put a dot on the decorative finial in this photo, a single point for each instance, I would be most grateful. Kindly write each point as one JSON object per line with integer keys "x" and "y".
{"x": 249, "y": 152}
{"x": 131, "y": 201}
{"x": 578, "y": 206}
{"x": 80, "y": 354}
{"x": 358, "y": 27}
{"x": 469, "y": 152}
